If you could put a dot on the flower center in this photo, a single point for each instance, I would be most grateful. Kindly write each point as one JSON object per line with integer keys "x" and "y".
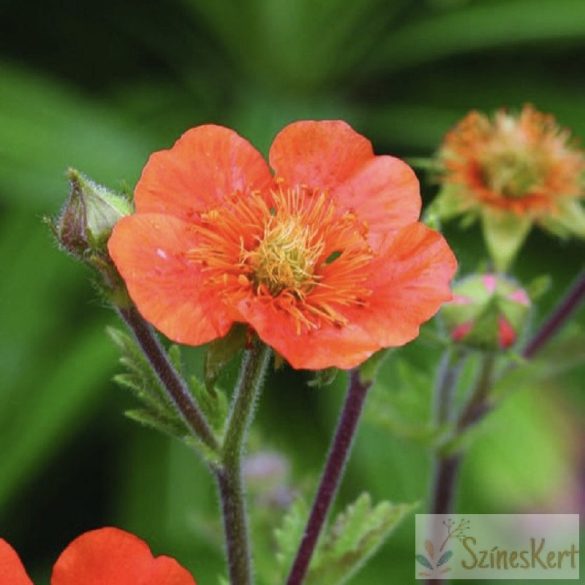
{"x": 289, "y": 247}
{"x": 511, "y": 173}
{"x": 286, "y": 257}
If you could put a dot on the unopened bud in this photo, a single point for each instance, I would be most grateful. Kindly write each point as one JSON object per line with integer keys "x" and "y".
{"x": 89, "y": 215}
{"x": 487, "y": 312}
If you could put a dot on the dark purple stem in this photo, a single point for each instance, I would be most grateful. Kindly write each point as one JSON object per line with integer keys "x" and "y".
{"x": 558, "y": 317}
{"x": 170, "y": 379}
{"x": 332, "y": 474}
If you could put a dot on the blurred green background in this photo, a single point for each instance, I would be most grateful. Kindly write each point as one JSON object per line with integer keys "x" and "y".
{"x": 99, "y": 86}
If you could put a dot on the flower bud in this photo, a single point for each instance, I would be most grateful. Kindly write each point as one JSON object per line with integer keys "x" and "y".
{"x": 88, "y": 217}
{"x": 487, "y": 312}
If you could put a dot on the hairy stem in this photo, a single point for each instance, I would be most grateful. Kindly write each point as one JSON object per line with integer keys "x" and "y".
{"x": 332, "y": 474}
{"x": 229, "y": 473}
{"x": 171, "y": 380}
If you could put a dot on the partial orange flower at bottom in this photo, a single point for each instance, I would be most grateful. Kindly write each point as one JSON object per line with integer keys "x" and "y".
{"x": 326, "y": 260}
{"x": 107, "y": 556}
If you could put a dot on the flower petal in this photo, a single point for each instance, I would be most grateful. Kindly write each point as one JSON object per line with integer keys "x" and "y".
{"x": 320, "y": 155}
{"x": 11, "y": 569}
{"x": 114, "y": 557}
{"x": 207, "y": 164}
{"x": 384, "y": 193}
{"x": 149, "y": 251}
{"x": 329, "y": 346}
{"x": 410, "y": 281}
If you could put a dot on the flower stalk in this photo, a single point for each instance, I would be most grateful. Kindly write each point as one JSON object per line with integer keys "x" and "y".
{"x": 332, "y": 475}
{"x": 229, "y": 473}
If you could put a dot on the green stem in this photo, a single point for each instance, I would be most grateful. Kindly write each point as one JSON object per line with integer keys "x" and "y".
{"x": 229, "y": 473}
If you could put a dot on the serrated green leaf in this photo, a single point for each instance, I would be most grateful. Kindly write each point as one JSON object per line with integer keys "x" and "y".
{"x": 158, "y": 412}
{"x": 289, "y": 535}
{"x": 214, "y": 404}
{"x": 141, "y": 378}
{"x": 172, "y": 427}
{"x": 353, "y": 538}
{"x": 175, "y": 357}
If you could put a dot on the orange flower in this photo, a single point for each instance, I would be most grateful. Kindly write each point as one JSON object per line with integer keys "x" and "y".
{"x": 107, "y": 556}
{"x": 512, "y": 171}
{"x": 325, "y": 261}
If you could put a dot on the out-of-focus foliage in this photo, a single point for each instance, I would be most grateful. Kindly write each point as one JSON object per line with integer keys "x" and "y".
{"x": 98, "y": 86}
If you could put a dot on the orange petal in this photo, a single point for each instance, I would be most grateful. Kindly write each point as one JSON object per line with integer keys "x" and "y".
{"x": 410, "y": 281}
{"x": 384, "y": 193}
{"x": 329, "y": 346}
{"x": 11, "y": 570}
{"x": 114, "y": 557}
{"x": 207, "y": 164}
{"x": 149, "y": 252}
{"x": 320, "y": 155}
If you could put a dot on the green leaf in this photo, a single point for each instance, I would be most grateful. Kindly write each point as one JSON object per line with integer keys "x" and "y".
{"x": 290, "y": 534}
{"x": 213, "y": 402}
{"x": 148, "y": 418}
{"x": 140, "y": 377}
{"x": 479, "y": 26}
{"x": 49, "y": 127}
{"x": 64, "y": 398}
{"x": 353, "y": 538}
{"x": 504, "y": 234}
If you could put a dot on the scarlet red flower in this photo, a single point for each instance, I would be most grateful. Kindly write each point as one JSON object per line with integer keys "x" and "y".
{"x": 326, "y": 260}
{"x": 107, "y": 556}
{"x": 512, "y": 171}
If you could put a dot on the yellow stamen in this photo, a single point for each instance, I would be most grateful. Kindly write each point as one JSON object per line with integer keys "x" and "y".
{"x": 290, "y": 247}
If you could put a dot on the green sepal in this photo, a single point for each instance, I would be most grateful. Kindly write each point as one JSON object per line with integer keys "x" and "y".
{"x": 221, "y": 351}
{"x": 504, "y": 234}
{"x": 567, "y": 221}
{"x": 353, "y": 538}
{"x": 370, "y": 368}
{"x": 449, "y": 203}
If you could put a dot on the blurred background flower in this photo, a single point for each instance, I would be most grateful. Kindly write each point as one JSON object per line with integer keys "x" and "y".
{"x": 98, "y": 86}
